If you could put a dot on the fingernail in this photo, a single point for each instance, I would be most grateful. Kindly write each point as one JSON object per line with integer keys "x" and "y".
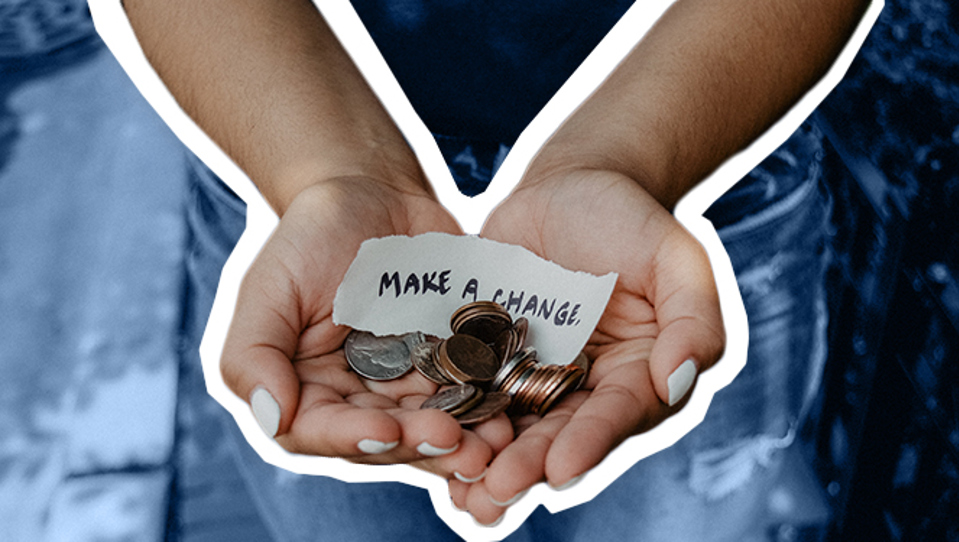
{"x": 680, "y": 381}
{"x": 370, "y": 446}
{"x": 428, "y": 449}
{"x": 569, "y": 483}
{"x": 494, "y": 524}
{"x": 266, "y": 411}
{"x": 515, "y": 498}
{"x": 462, "y": 478}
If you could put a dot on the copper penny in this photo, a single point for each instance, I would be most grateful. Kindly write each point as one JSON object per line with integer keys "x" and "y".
{"x": 422, "y": 357}
{"x": 521, "y": 328}
{"x": 486, "y": 327}
{"x": 470, "y": 360}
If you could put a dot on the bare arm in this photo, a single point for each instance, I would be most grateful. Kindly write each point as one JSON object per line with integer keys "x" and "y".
{"x": 270, "y": 83}
{"x": 708, "y": 79}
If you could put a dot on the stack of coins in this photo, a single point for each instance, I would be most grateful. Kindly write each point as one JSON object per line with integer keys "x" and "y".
{"x": 483, "y": 367}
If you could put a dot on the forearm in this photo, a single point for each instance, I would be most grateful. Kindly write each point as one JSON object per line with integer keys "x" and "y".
{"x": 707, "y": 79}
{"x": 270, "y": 83}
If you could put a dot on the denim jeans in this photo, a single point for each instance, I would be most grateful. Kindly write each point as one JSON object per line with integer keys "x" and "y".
{"x": 708, "y": 485}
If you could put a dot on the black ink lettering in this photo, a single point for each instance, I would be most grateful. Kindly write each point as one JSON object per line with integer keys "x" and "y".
{"x": 518, "y": 301}
{"x": 544, "y": 312}
{"x": 531, "y": 304}
{"x": 429, "y": 283}
{"x": 444, "y": 278}
{"x": 412, "y": 282}
{"x": 498, "y": 293}
{"x": 572, "y": 321}
{"x": 388, "y": 279}
{"x": 471, "y": 288}
{"x": 561, "y": 314}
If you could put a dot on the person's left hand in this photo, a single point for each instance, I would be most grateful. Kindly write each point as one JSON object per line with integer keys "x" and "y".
{"x": 663, "y": 312}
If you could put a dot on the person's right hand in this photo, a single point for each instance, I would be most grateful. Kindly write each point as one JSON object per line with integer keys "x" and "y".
{"x": 284, "y": 355}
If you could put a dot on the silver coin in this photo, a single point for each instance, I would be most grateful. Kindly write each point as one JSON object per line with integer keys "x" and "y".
{"x": 377, "y": 358}
{"x": 451, "y": 399}
{"x": 414, "y": 338}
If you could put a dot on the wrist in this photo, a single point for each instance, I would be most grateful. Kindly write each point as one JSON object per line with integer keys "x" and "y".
{"x": 284, "y": 186}
{"x": 645, "y": 164}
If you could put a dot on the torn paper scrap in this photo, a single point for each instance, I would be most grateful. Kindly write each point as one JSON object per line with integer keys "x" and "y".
{"x": 402, "y": 284}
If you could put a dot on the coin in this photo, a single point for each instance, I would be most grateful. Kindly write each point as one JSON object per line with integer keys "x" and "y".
{"x": 574, "y": 378}
{"x": 477, "y": 307}
{"x": 492, "y": 405}
{"x": 450, "y": 398}
{"x": 582, "y": 361}
{"x": 468, "y": 404}
{"x": 515, "y": 363}
{"x": 377, "y": 358}
{"x": 466, "y": 359}
{"x": 486, "y": 327}
{"x": 422, "y": 357}
{"x": 505, "y": 345}
{"x": 521, "y": 327}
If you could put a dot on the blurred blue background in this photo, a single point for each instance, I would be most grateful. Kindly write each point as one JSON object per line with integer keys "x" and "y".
{"x": 101, "y": 434}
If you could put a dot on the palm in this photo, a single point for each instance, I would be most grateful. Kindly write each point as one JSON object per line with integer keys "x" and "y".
{"x": 599, "y": 222}
{"x": 283, "y": 336}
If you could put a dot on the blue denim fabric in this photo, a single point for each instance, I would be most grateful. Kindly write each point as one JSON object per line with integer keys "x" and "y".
{"x": 708, "y": 485}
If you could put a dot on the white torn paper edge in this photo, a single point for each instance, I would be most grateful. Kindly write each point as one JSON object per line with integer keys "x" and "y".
{"x": 402, "y": 284}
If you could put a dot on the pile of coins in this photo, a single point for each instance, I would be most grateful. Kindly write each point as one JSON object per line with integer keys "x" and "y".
{"x": 483, "y": 368}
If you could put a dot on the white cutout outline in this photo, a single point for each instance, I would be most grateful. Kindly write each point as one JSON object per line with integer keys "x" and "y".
{"x": 115, "y": 30}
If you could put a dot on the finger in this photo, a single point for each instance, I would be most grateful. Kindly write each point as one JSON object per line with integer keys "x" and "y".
{"x": 623, "y": 403}
{"x": 261, "y": 341}
{"x": 458, "y": 491}
{"x": 481, "y": 506}
{"x": 466, "y": 464}
{"x": 498, "y": 432}
{"x": 522, "y": 463}
{"x": 691, "y": 336}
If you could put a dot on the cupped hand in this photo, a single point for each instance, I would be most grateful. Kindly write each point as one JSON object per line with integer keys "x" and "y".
{"x": 284, "y": 355}
{"x": 662, "y": 326}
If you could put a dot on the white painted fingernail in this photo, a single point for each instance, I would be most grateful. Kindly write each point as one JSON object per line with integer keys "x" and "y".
{"x": 515, "y": 498}
{"x": 680, "y": 381}
{"x": 569, "y": 483}
{"x": 462, "y": 478}
{"x": 428, "y": 449}
{"x": 370, "y": 446}
{"x": 266, "y": 411}
{"x": 494, "y": 524}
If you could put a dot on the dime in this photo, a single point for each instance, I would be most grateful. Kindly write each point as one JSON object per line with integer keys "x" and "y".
{"x": 466, "y": 359}
{"x": 451, "y": 398}
{"x": 422, "y": 357}
{"x": 377, "y": 358}
{"x": 492, "y": 405}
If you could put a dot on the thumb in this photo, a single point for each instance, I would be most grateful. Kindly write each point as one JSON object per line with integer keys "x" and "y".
{"x": 260, "y": 344}
{"x": 691, "y": 334}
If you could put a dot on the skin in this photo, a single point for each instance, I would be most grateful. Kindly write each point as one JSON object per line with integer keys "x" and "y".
{"x": 295, "y": 114}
